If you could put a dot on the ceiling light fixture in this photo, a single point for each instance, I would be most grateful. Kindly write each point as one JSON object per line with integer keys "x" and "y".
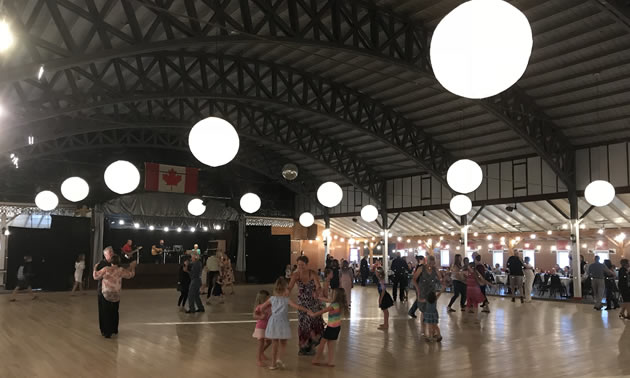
{"x": 46, "y": 200}
{"x": 369, "y": 213}
{"x": 481, "y": 48}
{"x": 464, "y": 176}
{"x": 599, "y": 193}
{"x": 196, "y": 207}
{"x": 122, "y": 177}
{"x": 329, "y": 194}
{"x": 307, "y": 219}
{"x": 250, "y": 203}
{"x": 6, "y": 36}
{"x": 75, "y": 189}
{"x": 213, "y": 141}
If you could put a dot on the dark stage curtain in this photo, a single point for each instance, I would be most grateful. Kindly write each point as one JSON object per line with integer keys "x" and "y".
{"x": 54, "y": 252}
{"x": 267, "y": 255}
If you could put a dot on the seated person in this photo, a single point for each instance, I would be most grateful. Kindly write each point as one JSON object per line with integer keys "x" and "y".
{"x": 497, "y": 269}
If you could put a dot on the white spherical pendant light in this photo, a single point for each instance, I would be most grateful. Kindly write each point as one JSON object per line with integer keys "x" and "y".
{"x": 75, "y": 189}
{"x": 213, "y": 141}
{"x": 460, "y": 205}
{"x": 122, "y": 177}
{"x": 464, "y": 176}
{"x": 481, "y": 48}
{"x": 46, "y": 200}
{"x": 599, "y": 193}
{"x": 250, "y": 203}
{"x": 369, "y": 213}
{"x": 196, "y": 207}
{"x": 307, "y": 219}
{"x": 329, "y": 194}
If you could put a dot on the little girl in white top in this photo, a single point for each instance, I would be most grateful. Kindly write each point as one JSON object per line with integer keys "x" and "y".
{"x": 79, "y": 267}
{"x": 278, "y": 329}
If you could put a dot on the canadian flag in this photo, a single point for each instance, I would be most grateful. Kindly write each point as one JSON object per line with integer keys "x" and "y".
{"x": 170, "y": 178}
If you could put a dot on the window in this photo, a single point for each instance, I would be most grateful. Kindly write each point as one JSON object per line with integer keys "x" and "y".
{"x": 354, "y": 254}
{"x": 497, "y": 258}
{"x": 422, "y": 252}
{"x": 469, "y": 254}
{"x": 445, "y": 257}
{"x": 532, "y": 256}
{"x": 562, "y": 258}
{"x": 603, "y": 255}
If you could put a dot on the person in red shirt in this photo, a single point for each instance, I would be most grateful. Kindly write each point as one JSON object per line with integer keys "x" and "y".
{"x": 126, "y": 251}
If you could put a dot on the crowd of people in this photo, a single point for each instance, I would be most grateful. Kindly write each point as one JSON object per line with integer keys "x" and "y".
{"x": 329, "y": 292}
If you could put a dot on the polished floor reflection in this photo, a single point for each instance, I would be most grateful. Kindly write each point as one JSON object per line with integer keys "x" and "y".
{"x": 57, "y": 336}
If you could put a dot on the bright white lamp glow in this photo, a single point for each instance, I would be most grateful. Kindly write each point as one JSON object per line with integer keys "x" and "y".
{"x": 329, "y": 194}
{"x": 464, "y": 176}
{"x": 326, "y": 234}
{"x": 532, "y": 236}
{"x": 250, "y": 203}
{"x": 600, "y": 243}
{"x": 481, "y": 48}
{"x": 369, "y": 213}
{"x": 151, "y": 228}
{"x": 136, "y": 225}
{"x": 46, "y": 200}
{"x": 75, "y": 189}
{"x": 196, "y": 207}
{"x": 122, "y": 177}
{"x": 475, "y": 234}
{"x": 6, "y": 36}
{"x": 549, "y": 232}
{"x": 213, "y": 141}
{"x": 179, "y": 229}
{"x": 399, "y": 238}
{"x": 489, "y": 237}
{"x": 205, "y": 228}
{"x": 192, "y": 229}
{"x": 307, "y": 219}
{"x": 165, "y": 229}
{"x": 460, "y": 204}
{"x": 599, "y": 193}
{"x": 121, "y": 222}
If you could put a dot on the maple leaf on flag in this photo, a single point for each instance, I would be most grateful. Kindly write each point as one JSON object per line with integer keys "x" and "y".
{"x": 171, "y": 178}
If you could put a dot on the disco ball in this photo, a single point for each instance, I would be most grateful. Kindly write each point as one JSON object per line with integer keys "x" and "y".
{"x": 290, "y": 171}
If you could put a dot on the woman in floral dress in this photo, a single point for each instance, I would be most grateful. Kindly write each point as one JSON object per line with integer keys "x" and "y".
{"x": 310, "y": 329}
{"x": 226, "y": 274}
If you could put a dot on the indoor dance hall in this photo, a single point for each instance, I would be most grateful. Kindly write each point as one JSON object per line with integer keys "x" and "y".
{"x": 314, "y": 188}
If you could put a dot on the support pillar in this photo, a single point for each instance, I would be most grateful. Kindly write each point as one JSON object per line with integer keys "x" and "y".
{"x": 575, "y": 243}
{"x": 241, "y": 255}
{"x": 4, "y": 242}
{"x": 464, "y": 232}
{"x": 385, "y": 220}
{"x": 326, "y": 236}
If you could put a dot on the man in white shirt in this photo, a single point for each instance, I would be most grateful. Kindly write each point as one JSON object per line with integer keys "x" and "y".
{"x": 212, "y": 266}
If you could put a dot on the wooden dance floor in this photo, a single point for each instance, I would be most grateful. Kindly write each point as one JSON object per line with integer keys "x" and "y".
{"x": 57, "y": 336}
